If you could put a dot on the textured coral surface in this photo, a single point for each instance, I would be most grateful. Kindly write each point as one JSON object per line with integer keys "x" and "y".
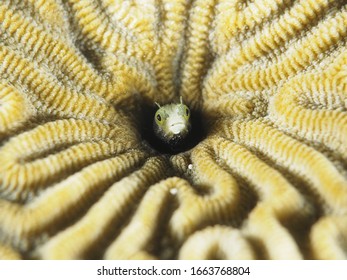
{"x": 80, "y": 180}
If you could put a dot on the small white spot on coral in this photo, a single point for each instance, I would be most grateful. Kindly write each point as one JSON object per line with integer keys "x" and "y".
{"x": 190, "y": 166}
{"x": 173, "y": 191}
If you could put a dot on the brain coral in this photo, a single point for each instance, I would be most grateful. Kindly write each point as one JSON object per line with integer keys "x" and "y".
{"x": 267, "y": 178}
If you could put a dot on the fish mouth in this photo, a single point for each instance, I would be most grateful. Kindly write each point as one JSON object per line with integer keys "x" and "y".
{"x": 177, "y": 128}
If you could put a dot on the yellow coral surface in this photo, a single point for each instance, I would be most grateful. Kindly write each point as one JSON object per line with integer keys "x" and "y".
{"x": 78, "y": 178}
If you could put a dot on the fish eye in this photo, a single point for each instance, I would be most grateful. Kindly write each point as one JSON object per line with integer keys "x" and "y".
{"x": 187, "y": 112}
{"x": 159, "y": 117}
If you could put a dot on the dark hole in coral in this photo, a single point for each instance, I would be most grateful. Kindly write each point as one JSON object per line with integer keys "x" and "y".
{"x": 196, "y": 134}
